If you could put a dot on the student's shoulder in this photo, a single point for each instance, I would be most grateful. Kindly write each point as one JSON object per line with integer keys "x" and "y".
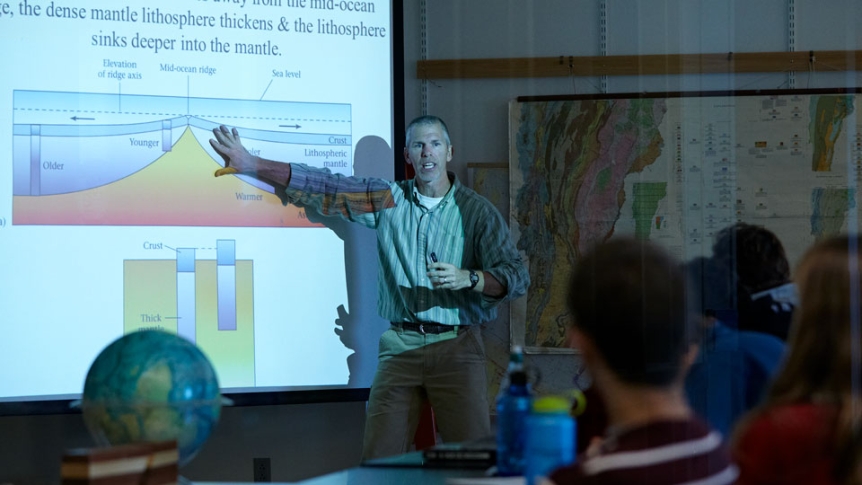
{"x": 791, "y": 423}
{"x": 761, "y": 344}
{"x": 786, "y": 444}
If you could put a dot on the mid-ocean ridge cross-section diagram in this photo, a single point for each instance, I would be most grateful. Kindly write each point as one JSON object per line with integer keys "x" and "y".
{"x": 126, "y": 160}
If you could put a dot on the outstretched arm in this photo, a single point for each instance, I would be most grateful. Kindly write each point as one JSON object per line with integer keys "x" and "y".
{"x": 238, "y": 160}
{"x": 352, "y": 198}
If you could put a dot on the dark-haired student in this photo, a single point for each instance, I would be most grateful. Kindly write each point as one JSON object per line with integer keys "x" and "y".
{"x": 445, "y": 260}
{"x": 635, "y": 329}
{"x": 735, "y": 367}
{"x": 765, "y": 295}
{"x": 809, "y": 428}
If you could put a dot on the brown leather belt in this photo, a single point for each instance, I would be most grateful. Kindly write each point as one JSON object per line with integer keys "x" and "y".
{"x": 435, "y": 328}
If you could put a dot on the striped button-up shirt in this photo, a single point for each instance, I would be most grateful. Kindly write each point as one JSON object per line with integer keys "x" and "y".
{"x": 464, "y": 229}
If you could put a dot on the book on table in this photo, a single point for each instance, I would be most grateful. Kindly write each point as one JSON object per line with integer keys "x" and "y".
{"x": 480, "y": 453}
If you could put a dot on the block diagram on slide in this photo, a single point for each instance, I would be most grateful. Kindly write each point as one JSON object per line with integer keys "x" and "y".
{"x": 203, "y": 294}
{"x": 133, "y": 160}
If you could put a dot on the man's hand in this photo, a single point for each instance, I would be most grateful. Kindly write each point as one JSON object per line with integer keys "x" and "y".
{"x": 236, "y": 158}
{"x": 448, "y": 277}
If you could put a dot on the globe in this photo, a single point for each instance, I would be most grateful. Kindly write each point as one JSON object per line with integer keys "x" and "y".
{"x": 152, "y": 385}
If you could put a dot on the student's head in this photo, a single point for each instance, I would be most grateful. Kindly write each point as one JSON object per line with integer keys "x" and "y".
{"x": 825, "y": 327}
{"x": 760, "y": 260}
{"x": 823, "y": 358}
{"x": 628, "y": 300}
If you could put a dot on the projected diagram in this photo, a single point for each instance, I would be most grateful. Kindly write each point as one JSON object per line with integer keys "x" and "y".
{"x": 128, "y": 160}
{"x": 207, "y": 301}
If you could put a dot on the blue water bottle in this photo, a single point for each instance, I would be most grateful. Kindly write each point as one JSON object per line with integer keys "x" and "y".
{"x": 513, "y": 407}
{"x": 550, "y": 438}
{"x": 516, "y": 363}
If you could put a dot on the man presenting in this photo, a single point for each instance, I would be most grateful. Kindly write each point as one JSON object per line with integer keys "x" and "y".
{"x": 445, "y": 259}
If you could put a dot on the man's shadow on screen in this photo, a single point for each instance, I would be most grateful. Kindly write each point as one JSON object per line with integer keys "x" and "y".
{"x": 361, "y": 327}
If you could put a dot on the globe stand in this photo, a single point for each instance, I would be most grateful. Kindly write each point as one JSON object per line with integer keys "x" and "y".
{"x": 152, "y": 386}
{"x": 182, "y": 453}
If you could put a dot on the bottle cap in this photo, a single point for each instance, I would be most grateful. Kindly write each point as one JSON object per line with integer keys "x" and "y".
{"x": 517, "y": 355}
{"x": 551, "y": 405}
{"x": 579, "y": 402}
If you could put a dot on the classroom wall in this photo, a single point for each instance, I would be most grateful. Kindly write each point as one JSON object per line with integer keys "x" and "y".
{"x": 476, "y": 110}
{"x": 306, "y": 440}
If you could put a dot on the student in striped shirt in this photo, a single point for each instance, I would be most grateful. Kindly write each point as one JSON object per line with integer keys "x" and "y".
{"x": 637, "y": 333}
{"x": 445, "y": 259}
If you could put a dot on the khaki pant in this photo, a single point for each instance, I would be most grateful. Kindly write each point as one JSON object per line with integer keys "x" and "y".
{"x": 448, "y": 369}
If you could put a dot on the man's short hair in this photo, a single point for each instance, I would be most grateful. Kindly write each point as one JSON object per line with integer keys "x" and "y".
{"x": 427, "y": 120}
{"x": 629, "y": 297}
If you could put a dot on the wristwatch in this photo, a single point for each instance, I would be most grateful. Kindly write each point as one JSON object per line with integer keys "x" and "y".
{"x": 474, "y": 279}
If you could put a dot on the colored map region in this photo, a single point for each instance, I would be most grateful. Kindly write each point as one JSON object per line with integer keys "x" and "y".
{"x": 673, "y": 170}
{"x": 647, "y": 196}
{"x": 827, "y": 120}
{"x": 829, "y": 208}
{"x": 573, "y": 192}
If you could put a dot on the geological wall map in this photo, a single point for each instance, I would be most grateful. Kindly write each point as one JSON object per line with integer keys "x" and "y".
{"x": 673, "y": 170}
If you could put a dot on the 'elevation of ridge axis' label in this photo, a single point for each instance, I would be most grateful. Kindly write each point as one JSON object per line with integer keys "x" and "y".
{"x": 127, "y": 160}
